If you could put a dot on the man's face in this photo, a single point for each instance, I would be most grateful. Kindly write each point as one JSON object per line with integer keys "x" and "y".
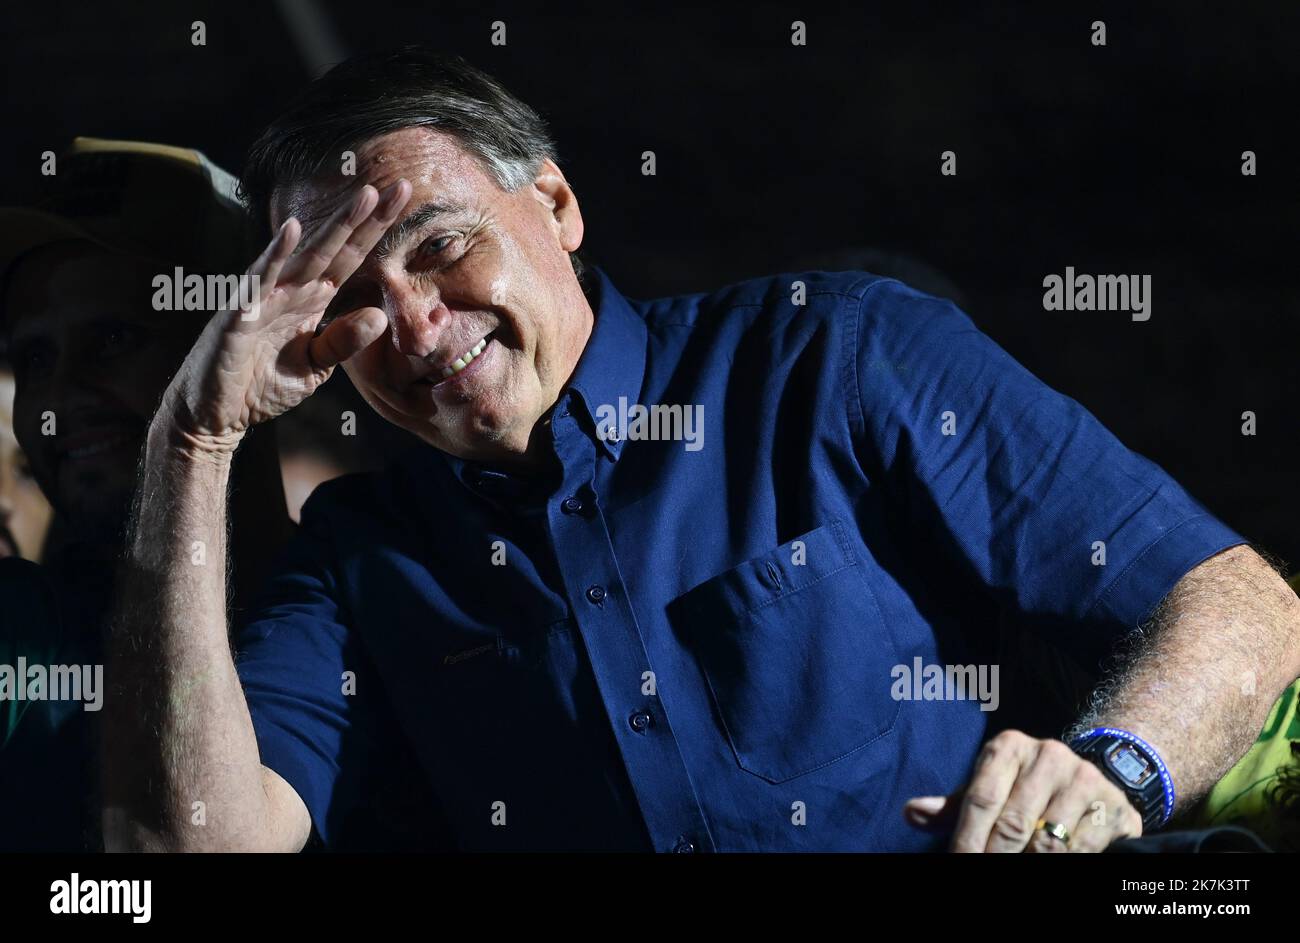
{"x": 486, "y": 319}
{"x": 91, "y": 360}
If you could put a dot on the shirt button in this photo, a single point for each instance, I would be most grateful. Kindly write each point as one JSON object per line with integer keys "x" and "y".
{"x": 571, "y": 505}
{"x": 596, "y": 594}
{"x": 684, "y": 846}
{"x": 640, "y": 721}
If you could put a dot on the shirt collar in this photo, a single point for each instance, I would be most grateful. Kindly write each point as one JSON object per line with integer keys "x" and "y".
{"x": 611, "y": 366}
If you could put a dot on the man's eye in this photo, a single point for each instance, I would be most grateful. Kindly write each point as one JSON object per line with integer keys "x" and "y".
{"x": 434, "y": 246}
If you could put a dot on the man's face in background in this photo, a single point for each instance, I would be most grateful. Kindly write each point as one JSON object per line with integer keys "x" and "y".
{"x": 486, "y": 317}
{"x": 88, "y": 348}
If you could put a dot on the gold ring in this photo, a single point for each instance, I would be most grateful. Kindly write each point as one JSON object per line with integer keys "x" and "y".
{"x": 1055, "y": 829}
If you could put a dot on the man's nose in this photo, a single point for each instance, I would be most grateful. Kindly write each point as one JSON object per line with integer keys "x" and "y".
{"x": 419, "y": 321}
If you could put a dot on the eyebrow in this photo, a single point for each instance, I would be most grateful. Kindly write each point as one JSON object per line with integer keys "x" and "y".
{"x": 413, "y": 222}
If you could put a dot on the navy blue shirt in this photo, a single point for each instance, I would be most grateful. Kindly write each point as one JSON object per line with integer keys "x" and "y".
{"x": 676, "y": 644}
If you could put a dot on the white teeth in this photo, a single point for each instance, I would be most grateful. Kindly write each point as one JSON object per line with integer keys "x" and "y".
{"x": 464, "y": 360}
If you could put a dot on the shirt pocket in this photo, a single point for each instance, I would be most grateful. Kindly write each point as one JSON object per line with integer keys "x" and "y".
{"x": 796, "y": 655}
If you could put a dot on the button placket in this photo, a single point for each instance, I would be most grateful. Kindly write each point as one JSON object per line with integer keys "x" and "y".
{"x": 615, "y": 649}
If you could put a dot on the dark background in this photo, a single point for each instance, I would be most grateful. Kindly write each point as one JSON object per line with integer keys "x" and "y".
{"x": 1117, "y": 159}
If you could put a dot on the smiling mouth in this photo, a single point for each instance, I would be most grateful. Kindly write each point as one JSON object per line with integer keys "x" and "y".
{"x": 465, "y": 359}
{"x": 460, "y": 363}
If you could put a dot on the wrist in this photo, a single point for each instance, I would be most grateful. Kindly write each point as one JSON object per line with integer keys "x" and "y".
{"x": 1134, "y": 766}
{"x": 171, "y": 433}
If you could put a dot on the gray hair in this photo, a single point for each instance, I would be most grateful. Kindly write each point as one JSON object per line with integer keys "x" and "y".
{"x": 376, "y": 94}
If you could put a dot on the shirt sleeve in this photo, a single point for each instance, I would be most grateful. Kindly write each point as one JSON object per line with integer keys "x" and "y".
{"x": 1016, "y": 483}
{"x": 304, "y": 681}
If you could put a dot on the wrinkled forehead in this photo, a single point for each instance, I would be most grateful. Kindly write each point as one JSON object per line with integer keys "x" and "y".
{"x": 434, "y": 162}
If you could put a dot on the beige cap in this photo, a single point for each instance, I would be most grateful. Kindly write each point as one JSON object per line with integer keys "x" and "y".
{"x": 167, "y": 204}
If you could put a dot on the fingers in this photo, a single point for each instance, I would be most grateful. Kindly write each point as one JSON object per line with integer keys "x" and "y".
{"x": 1044, "y": 783}
{"x": 1109, "y": 817}
{"x": 267, "y": 265}
{"x": 997, "y": 769}
{"x": 265, "y": 269}
{"x": 321, "y": 247}
{"x": 1020, "y": 781}
{"x": 345, "y": 337}
{"x": 342, "y": 243}
{"x": 354, "y": 250}
{"x": 1070, "y": 804}
{"x": 277, "y": 253}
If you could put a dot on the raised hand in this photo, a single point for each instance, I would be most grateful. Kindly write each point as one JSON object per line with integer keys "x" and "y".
{"x": 251, "y": 364}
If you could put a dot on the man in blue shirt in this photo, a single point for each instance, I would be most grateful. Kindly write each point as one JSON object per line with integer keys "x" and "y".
{"x": 718, "y": 572}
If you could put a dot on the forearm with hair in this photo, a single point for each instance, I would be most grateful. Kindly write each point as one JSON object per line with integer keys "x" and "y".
{"x": 1201, "y": 676}
{"x": 176, "y": 727}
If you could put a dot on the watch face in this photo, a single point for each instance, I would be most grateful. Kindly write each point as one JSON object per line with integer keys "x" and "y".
{"x": 1132, "y": 766}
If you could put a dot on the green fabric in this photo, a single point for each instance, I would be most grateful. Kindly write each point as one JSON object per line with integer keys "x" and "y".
{"x": 1252, "y": 793}
{"x": 1262, "y": 792}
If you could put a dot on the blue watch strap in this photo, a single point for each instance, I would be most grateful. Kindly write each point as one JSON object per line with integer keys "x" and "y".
{"x": 1166, "y": 781}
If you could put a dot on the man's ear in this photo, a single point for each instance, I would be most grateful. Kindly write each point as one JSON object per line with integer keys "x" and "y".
{"x": 553, "y": 192}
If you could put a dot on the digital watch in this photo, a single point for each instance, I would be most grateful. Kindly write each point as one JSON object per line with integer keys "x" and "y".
{"x": 1133, "y": 765}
